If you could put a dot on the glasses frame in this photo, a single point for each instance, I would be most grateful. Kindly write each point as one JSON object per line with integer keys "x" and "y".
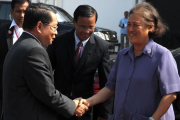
{"x": 53, "y": 28}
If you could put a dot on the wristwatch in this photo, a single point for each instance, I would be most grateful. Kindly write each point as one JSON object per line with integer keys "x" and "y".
{"x": 151, "y": 118}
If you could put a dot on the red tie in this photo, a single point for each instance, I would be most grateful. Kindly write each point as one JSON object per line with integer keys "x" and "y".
{"x": 78, "y": 52}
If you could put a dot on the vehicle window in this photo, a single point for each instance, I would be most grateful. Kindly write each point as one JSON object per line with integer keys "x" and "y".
{"x": 5, "y": 11}
{"x": 62, "y": 16}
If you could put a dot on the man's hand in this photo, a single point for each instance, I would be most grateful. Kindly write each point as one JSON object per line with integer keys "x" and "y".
{"x": 81, "y": 110}
{"x": 81, "y": 106}
{"x": 83, "y": 101}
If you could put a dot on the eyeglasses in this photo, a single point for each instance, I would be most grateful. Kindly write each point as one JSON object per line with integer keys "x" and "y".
{"x": 82, "y": 27}
{"x": 53, "y": 28}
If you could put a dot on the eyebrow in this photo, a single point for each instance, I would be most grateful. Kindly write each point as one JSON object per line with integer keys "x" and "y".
{"x": 134, "y": 22}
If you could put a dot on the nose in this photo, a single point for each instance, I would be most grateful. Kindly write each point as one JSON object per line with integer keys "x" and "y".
{"x": 56, "y": 32}
{"x": 87, "y": 30}
{"x": 131, "y": 28}
{"x": 22, "y": 13}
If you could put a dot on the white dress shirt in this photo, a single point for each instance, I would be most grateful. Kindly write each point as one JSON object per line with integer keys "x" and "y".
{"x": 77, "y": 41}
{"x": 17, "y": 31}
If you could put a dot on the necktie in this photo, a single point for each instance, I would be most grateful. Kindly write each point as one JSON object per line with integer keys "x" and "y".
{"x": 78, "y": 52}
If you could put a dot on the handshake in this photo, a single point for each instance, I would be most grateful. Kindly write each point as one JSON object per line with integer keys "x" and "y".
{"x": 81, "y": 106}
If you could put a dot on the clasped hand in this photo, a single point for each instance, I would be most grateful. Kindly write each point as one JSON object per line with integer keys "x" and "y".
{"x": 81, "y": 106}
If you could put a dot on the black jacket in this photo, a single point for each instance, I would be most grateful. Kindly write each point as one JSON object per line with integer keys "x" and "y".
{"x": 79, "y": 81}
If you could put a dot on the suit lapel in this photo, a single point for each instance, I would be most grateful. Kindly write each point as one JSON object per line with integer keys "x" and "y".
{"x": 71, "y": 46}
{"x": 87, "y": 52}
{"x": 9, "y": 36}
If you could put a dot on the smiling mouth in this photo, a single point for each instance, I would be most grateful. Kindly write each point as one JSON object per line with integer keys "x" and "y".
{"x": 86, "y": 36}
{"x": 131, "y": 35}
{"x": 21, "y": 19}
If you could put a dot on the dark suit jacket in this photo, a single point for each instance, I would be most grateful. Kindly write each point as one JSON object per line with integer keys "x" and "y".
{"x": 79, "y": 81}
{"x": 28, "y": 90}
{"x": 6, "y": 41}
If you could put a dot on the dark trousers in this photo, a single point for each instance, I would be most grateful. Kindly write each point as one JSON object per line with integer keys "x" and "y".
{"x": 0, "y": 108}
{"x": 122, "y": 41}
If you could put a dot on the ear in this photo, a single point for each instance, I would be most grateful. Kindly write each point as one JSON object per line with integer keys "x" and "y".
{"x": 151, "y": 28}
{"x": 39, "y": 27}
{"x": 11, "y": 12}
{"x": 74, "y": 22}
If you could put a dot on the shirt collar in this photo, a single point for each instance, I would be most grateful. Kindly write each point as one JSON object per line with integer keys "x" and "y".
{"x": 13, "y": 24}
{"x": 128, "y": 49}
{"x": 148, "y": 49}
{"x": 77, "y": 40}
{"x": 32, "y": 35}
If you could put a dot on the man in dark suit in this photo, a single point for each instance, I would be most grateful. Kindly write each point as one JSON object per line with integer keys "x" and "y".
{"x": 10, "y": 32}
{"x": 73, "y": 77}
{"x": 28, "y": 90}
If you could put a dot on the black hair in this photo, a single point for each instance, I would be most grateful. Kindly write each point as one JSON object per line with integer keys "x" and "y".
{"x": 150, "y": 16}
{"x": 36, "y": 13}
{"x": 126, "y": 12}
{"x": 84, "y": 11}
{"x": 13, "y": 2}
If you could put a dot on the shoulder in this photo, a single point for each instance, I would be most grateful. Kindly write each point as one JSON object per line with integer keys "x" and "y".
{"x": 122, "y": 19}
{"x": 123, "y": 51}
{"x": 34, "y": 51}
{"x": 159, "y": 49}
{"x": 65, "y": 37}
{"x": 36, "y": 57}
{"x": 99, "y": 43}
{"x": 4, "y": 28}
{"x": 6, "y": 25}
{"x": 67, "y": 34}
{"x": 27, "y": 50}
{"x": 37, "y": 51}
{"x": 160, "y": 52}
{"x": 26, "y": 43}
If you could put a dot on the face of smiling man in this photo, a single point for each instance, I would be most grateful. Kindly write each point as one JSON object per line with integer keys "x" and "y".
{"x": 85, "y": 26}
{"x": 47, "y": 33}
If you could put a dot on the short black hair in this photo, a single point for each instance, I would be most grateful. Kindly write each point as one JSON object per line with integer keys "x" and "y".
{"x": 84, "y": 11}
{"x": 13, "y": 2}
{"x": 126, "y": 12}
{"x": 35, "y": 13}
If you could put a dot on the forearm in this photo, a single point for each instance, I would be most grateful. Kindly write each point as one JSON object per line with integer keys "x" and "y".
{"x": 164, "y": 105}
{"x": 103, "y": 95}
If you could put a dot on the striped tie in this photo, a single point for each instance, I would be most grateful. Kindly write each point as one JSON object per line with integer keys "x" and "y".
{"x": 78, "y": 52}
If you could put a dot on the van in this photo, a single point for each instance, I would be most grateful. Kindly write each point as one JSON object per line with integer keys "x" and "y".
{"x": 65, "y": 23}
